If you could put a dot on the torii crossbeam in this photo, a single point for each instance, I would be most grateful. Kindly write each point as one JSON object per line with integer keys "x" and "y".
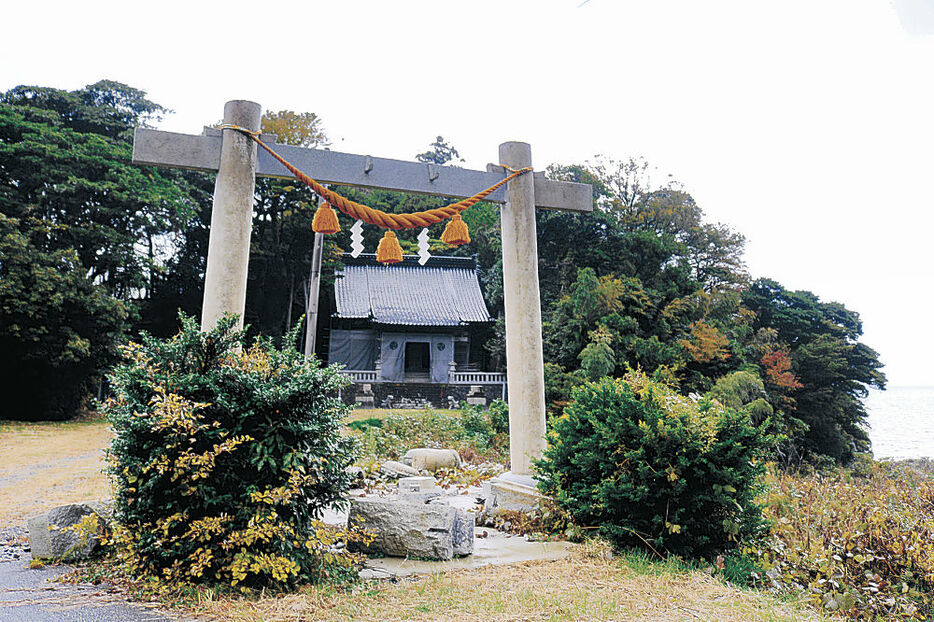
{"x": 234, "y": 157}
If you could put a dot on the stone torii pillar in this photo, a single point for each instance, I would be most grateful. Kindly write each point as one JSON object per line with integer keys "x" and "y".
{"x": 525, "y": 362}
{"x": 231, "y": 218}
{"x": 236, "y": 161}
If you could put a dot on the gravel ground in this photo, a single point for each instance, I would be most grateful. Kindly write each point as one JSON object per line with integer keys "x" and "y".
{"x": 14, "y": 544}
{"x": 32, "y": 595}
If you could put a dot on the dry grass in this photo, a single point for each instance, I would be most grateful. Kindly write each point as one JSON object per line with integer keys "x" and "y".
{"x": 581, "y": 587}
{"x": 48, "y": 464}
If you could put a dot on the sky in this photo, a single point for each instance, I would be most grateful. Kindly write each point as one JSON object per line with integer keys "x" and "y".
{"x": 806, "y": 126}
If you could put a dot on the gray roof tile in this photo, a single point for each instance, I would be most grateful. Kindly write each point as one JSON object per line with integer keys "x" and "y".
{"x": 443, "y": 292}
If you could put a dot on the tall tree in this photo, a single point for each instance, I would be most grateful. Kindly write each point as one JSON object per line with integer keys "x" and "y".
{"x": 93, "y": 224}
{"x": 832, "y": 370}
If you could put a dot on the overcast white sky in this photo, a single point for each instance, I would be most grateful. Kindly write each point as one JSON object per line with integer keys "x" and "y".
{"x": 806, "y": 125}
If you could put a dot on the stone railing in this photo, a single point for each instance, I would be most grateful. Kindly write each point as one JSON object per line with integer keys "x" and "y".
{"x": 476, "y": 377}
{"x": 361, "y": 375}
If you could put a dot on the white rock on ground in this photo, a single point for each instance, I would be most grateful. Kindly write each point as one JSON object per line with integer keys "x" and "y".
{"x": 432, "y": 459}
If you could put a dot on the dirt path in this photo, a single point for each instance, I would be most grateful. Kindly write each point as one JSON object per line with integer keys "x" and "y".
{"x": 49, "y": 464}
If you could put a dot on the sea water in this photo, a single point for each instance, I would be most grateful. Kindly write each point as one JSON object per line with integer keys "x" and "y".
{"x": 901, "y": 421}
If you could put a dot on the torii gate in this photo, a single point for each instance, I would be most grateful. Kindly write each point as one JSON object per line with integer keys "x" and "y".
{"x": 234, "y": 157}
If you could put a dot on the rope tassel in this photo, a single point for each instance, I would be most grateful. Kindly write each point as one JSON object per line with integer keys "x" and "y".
{"x": 389, "y": 250}
{"x": 325, "y": 220}
{"x": 456, "y": 232}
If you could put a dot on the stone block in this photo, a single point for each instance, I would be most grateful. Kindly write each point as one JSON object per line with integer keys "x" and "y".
{"x": 462, "y": 533}
{"x": 405, "y": 529}
{"x": 53, "y": 535}
{"x": 432, "y": 459}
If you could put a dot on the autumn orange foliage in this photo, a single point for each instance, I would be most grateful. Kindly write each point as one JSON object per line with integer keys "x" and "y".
{"x": 777, "y": 366}
{"x": 707, "y": 343}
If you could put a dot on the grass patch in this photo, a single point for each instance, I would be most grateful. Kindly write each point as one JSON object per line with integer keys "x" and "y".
{"x": 359, "y": 414}
{"x": 470, "y": 431}
{"x": 589, "y": 585}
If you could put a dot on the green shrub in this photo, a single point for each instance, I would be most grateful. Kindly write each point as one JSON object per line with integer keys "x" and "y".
{"x": 499, "y": 416}
{"x": 223, "y": 458}
{"x": 363, "y": 424}
{"x": 485, "y": 420}
{"x": 650, "y": 467}
{"x": 558, "y": 386}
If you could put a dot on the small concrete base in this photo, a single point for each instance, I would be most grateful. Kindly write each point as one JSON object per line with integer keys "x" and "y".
{"x": 512, "y": 492}
{"x": 416, "y": 484}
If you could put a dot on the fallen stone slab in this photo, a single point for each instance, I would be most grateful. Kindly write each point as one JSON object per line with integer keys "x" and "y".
{"x": 58, "y": 535}
{"x": 391, "y": 468}
{"x": 406, "y": 529}
{"x": 432, "y": 459}
{"x": 511, "y": 492}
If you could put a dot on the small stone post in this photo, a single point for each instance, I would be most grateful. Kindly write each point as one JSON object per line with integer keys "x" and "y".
{"x": 232, "y": 218}
{"x": 524, "y": 359}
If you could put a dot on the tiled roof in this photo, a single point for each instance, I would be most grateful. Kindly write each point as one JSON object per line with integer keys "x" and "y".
{"x": 443, "y": 292}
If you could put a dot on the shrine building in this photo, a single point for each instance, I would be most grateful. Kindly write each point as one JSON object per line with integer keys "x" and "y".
{"x": 409, "y": 335}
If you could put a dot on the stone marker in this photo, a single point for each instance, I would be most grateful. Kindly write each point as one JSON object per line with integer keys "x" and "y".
{"x": 432, "y": 459}
{"x": 463, "y": 533}
{"x": 51, "y": 538}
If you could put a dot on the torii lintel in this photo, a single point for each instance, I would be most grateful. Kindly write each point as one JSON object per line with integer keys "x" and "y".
{"x": 203, "y": 153}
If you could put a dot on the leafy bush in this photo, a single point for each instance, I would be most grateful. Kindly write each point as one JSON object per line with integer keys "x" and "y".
{"x": 558, "y": 387}
{"x": 472, "y": 432}
{"x": 499, "y": 416}
{"x": 860, "y": 541}
{"x": 363, "y": 424}
{"x": 650, "y": 467}
{"x": 222, "y": 459}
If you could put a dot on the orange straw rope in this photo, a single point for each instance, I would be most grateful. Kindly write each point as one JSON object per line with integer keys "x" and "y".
{"x": 377, "y": 217}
